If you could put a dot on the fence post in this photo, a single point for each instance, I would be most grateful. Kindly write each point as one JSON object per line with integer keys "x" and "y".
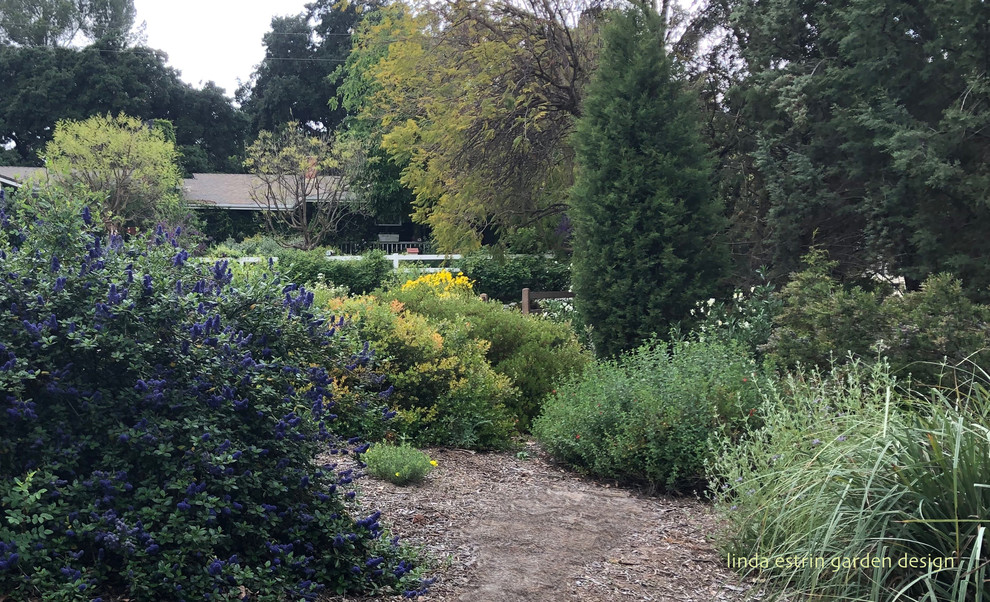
{"x": 525, "y": 301}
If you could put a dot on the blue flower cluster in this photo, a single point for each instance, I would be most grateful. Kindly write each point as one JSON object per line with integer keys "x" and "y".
{"x": 164, "y": 433}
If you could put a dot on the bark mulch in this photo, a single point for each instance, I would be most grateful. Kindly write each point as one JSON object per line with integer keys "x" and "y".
{"x": 507, "y": 527}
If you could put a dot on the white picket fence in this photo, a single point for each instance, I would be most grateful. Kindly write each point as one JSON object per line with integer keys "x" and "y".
{"x": 395, "y": 258}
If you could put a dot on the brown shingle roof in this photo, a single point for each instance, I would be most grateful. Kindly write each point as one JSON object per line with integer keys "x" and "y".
{"x": 221, "y": 190}
{"x": 15, "y": 176}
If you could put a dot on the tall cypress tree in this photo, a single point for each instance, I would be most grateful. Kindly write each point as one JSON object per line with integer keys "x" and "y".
{"x": 645, "y": 221}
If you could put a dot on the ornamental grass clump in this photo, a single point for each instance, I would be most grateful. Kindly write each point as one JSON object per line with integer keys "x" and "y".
{"x": 854, "y": 489}
{"x": 399, "y": 464}
{"x": 159, "y": 425}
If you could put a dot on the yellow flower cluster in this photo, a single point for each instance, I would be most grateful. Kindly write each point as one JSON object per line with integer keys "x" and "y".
{"x": 443, "y": 283}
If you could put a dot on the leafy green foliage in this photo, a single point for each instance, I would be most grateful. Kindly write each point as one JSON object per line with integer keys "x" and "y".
{"x": 863, "y": 128}
{"x": 645, "y": 222}
{"x": 160, "y": 424}
{"x": 534, "y": 354}
{"x": 820, "y": 318}
{"x": 292, "y": 82}
{"x": 503, "y": 278}
{"x": 399, "y": 464}
{"x": 747, "y": 318}
{"x": 361, "y": 276}
{"x": 847, "y": 466}
{"x": 119, "y": 158}
{"x": 45, "y": 85}
{"x": 477, "y": 117}
{"x": 652, "y": 415}
{"x": 47, "y": 23}
{"x": 444, "y": 390}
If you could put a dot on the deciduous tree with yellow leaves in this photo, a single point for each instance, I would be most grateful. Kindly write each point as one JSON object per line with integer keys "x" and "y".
{"x": 475, "y": 101}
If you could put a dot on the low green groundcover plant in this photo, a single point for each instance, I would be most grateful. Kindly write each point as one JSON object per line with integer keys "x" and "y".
{"x": 652, "y": 415}
{"x": 856, "y": 490}
{"x": 399, "y": 464}
{"x": 159, "y": 425}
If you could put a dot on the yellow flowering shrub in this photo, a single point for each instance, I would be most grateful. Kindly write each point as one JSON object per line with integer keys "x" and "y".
{"x": 445, "y": 391}
{"x": 534, "y": 354}
{"x": 442, "y": 283}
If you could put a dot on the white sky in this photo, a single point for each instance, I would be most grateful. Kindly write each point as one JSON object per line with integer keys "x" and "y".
{"x": 212, "y": 40}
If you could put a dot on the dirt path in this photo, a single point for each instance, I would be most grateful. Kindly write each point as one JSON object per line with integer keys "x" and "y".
{"x": 504, "y": 528}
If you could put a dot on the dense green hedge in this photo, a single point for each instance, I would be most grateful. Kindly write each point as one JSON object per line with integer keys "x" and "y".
{"x": 360, "y": 276}
{"x": 503, "y": 278}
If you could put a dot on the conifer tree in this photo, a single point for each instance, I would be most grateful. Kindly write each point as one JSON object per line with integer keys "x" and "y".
{"x": 646, "y": 223}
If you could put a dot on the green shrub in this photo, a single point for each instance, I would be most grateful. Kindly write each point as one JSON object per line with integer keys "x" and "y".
{"x": 935, "y": 324}
{"x": 534, "y": 354}
{"x": 253, "y": 246}
{"x": 503, "y": 278}
{"x": 846, "y": 467}
{"x": 650, "y": 416}
{"x": 360, "y": 276}
{"x": 399, "y": 464}
{"x": 445, "y": 392}
{"x": 303, "y": 267}
{"x": 820, "y": 319}
{"x": 324, "y": 292}
{"x": 748, "y": 318}
{"x": 160, "y": 425}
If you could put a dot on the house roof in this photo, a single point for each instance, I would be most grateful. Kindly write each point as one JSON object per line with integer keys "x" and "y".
{"x": 219, "y": 190}
{"x": 15, "y": 176}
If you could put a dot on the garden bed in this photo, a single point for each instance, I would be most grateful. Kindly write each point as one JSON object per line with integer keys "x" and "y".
{"x": 507, "y": 527}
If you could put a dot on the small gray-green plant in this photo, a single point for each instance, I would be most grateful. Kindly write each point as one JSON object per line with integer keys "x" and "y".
{"x": 323, "y": 291}
{"x": 399, "y": 464}
{"x": 650, "y": 416}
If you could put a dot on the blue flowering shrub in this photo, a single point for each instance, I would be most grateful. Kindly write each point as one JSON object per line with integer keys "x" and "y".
{"x": 159, "y": 425}
{"x": 653, "y": 415}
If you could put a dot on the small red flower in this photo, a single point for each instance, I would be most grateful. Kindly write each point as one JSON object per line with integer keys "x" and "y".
{"x": 745, "y": 379}
{"x": 577, "y": 437}
{"x": 753, "y": 411}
